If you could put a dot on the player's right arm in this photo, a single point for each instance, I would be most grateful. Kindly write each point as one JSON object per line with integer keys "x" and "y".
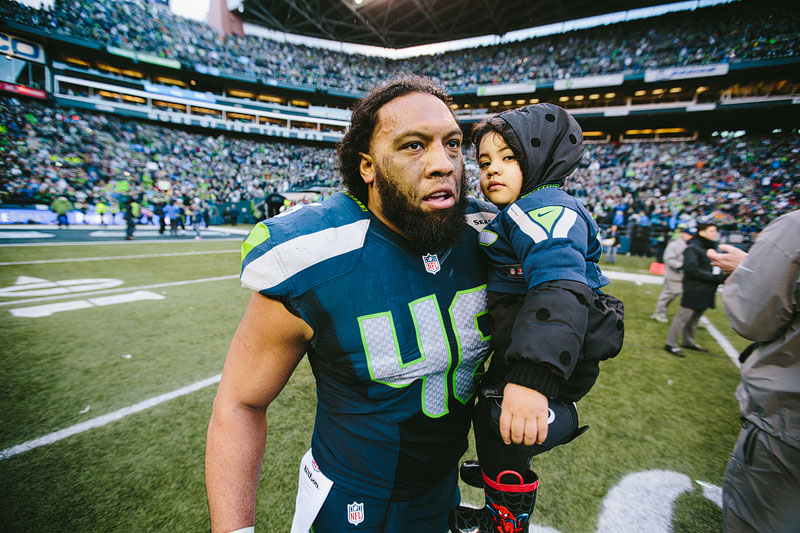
{"x": 267, "y": 346}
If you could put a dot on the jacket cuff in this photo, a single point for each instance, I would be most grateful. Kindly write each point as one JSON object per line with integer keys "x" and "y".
{"x": 533, "y": 376}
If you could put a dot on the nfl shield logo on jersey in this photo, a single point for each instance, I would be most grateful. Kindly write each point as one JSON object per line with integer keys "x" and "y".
{"x": 355, "y": 513}
{"x": 431, "y": 263}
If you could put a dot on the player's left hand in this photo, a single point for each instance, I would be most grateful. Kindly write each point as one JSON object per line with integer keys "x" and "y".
{"x": 523, "y": 418}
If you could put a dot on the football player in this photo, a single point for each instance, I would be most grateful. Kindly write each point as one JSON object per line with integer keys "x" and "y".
{"x": 384, "y": 288}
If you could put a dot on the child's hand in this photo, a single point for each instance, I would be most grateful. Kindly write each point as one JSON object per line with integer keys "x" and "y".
{"x": 524, "y": 414}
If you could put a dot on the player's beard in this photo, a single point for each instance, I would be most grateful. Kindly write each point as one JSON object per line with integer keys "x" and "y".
{"x": 428, "y": 230}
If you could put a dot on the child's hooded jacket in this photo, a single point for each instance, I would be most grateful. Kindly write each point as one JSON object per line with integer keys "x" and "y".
{"x": 543, "y": 251}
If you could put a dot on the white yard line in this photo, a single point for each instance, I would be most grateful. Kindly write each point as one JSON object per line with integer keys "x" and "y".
{"x": 103, "y": 420}
{"x": 641, "y": 278}
{"x": 113, "y": 258}
{"x": 121, "y": 289}
{"x": 94, "y": 243}
{"x": 723, "y": 342}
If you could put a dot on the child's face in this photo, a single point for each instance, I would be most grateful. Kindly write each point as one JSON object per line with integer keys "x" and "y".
{"x": 501, "y": 177}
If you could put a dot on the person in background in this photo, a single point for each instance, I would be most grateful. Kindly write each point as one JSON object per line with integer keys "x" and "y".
{"x": 61, "y": 206}
{"x": 699, "y": 289}
{"x": 173, "y": 213}
{"x": 133, "y": 212}
{"x": 101, "y": 209}
{"x": 611, "y": 244}
{"x": 761, "y": 489}
{"x": 673, "y": 272}
{"x": 159, "y": 211}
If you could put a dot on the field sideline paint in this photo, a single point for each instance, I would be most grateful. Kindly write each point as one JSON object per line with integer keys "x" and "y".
{"x": 724, "y": 343}
{"x": 113, "y": 258}
{"x": 103, "y": 420}
{"x": 39, "y": 311}
{"x": 121, "y": 289}
{"x": 93, "y": 243}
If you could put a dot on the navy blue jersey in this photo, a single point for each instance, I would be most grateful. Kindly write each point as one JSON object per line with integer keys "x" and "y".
{"x": 398, "y": 339}
{"x": 544, "y": 236}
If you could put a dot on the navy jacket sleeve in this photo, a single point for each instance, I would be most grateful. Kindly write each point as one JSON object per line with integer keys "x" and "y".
{"x": 551, "y": 241}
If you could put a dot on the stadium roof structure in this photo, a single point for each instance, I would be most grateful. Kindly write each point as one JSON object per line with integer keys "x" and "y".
{"x": 404, "y": 23}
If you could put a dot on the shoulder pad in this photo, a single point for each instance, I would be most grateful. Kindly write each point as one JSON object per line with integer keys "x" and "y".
{"x": 289, "y": 254}
{"x": 479, "y": 213}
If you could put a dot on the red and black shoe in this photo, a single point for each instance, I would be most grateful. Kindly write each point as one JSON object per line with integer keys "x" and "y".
{"x": 508, "y": 506}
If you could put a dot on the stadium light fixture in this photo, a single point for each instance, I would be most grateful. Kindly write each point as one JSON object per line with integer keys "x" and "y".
{"x": 270, "y": 98}
{"x": 507, "y": 102}
{"x": 702, "y": 89}
{"x": 578, "y": 97}
{"x": 77, "y": 61}
{"x": 610, "y": 95}
{"x": 241, "y": 94}
{"x": 454, "y": 107}
{"x": 494, "y": 104}
{"x": 533, "y": 101}
{"x": 594, "y": 96}
{"x": 658, "y": 92}
{"x": 521, "y": 102}
{"x": 674, "y": 90}
{"x": 563, "y": 98}
{"x": 170, "y": 81}
{"x": 640, "y": 93}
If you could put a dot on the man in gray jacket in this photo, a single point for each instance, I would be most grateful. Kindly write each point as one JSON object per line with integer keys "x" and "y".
{"x": 761, "y": 490}
{"x": 673, "y": 272}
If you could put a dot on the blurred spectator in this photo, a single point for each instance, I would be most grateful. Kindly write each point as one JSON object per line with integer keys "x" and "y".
{"x": 611, "y": 244}
{"x": 699, "y": 289}
{"x": 61, "y": 206}
{"x": 673, "y": 272}
{"x": 172, "y": 213}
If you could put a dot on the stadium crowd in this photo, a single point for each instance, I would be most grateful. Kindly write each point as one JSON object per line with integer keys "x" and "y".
{"x": 49, "y": 152}
{"x": 740, "y": 31}
{"x": 739, "y": 183}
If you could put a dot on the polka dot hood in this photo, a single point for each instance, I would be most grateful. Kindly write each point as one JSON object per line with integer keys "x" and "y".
{"x": 547, "y": 141}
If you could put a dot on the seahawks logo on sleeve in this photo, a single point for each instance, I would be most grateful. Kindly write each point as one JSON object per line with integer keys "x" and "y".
{"x": 540, "y": 224}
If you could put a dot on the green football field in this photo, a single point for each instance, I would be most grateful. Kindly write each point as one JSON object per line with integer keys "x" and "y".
{"x": 111, "y": 354}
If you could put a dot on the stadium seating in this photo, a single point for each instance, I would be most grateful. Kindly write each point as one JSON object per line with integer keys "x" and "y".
{"x": 740, "y": 31}
{"x": 741, "y": 183}
{"x": 91, "y": 157}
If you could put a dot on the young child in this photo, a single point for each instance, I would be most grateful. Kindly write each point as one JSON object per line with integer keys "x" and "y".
{"x": 550, "y": 323}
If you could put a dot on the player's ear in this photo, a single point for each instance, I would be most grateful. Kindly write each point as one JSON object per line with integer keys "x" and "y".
{"x": 367, "y": 168}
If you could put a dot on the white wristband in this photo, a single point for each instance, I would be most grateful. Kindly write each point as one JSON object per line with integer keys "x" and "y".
{"x": 250, "y": 529}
